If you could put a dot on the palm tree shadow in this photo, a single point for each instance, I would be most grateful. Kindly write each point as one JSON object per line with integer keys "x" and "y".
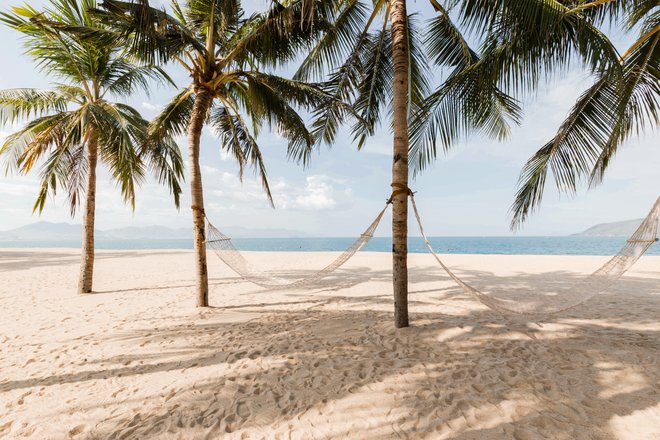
{"x": 464, "y": 376}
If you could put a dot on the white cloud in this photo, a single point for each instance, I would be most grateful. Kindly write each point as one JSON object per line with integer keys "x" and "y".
{"x": 377, "y": 147}
{"x": 317, "y": 195}
{"x": 209, "y": 170}
{"x": 16, "y": 188}
{"x": 150, "y": 106}
{"x": 210, "y": 132}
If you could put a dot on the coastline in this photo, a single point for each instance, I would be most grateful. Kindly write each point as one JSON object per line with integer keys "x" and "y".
{"x": 503, "y": 245}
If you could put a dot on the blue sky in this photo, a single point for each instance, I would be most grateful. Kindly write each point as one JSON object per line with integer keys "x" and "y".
{"x": 467, "y": 192}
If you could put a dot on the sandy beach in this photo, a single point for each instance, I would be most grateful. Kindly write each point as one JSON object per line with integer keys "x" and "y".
{"x": 136, "y": 360}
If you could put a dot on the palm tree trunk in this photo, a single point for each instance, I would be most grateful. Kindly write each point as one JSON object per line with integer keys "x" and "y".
{"x": 87, "y": 256}
{"x": 400, "y": 58}
{"x": 202, "y": 103}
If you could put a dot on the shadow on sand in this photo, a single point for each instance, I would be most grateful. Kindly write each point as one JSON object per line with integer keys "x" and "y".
{"x": 339, "y": 369}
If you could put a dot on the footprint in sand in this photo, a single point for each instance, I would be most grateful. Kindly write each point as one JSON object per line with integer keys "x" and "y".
{"x": 523, "y": 434}
{"x": 230, "y": 423}
{"x": 171, "y": 394}
{"x": 113, "y": 395}
{"x": 21, "y": 400}
{"x": 478, "y": 388}
{"x": 5, "y": 428}
{"x": 243, "y": 410}
{"x": 27, "y": 430}
{"x": 76, "y": 430}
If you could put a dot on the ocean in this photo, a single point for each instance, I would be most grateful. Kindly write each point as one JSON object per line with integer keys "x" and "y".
{"x": 573, "y": 245}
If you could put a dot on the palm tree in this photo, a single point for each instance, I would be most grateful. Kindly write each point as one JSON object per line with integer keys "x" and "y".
{"x": 225, "y": 53}
{"x": 74, "y": 124}
{"x": 623, "y": 101}
{"x": 378, "y": 62}
{"x": 385, "y": 64}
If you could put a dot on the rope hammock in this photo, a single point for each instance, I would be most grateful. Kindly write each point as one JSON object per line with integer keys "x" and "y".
{"x": 582, "y": 291}
{"x": 528, "y": 303}
{"x": 227, "y": 252}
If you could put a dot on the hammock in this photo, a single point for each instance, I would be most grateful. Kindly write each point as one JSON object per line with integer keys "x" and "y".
{"x": 227, "y": 252}
{"x": 582, "y": 291}
{"x": 529, "y": 303}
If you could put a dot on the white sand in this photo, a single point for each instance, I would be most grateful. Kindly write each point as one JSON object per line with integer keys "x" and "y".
{"x": 137, "y": 361}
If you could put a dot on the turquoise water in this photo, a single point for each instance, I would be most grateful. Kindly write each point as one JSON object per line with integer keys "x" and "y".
{"x": 447, "y": 245}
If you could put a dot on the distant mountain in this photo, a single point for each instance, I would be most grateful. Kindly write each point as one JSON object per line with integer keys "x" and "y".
{"x": 146, "y": 233}
{"x": 43, "y": 231}
{"x": 240, "y": 232}
{"x": 48, "y": 231}
{"x": 623, "y": 228}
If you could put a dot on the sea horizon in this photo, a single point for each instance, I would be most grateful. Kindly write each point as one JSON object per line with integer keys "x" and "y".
{"x": 480, "y": 245}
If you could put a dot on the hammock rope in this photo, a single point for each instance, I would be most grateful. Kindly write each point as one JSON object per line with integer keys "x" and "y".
{"x": 636, "y": 246}
{"x": 232, "y": 257}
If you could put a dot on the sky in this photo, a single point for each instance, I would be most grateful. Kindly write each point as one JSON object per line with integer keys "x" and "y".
{"x": 467, "y": 192}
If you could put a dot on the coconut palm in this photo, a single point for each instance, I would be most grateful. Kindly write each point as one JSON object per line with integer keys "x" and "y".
{"x": 225, "y": 54}
{"x": 74, "y": 124}
{"x": 379, "y": 62}
{"x": 623, "y": 101}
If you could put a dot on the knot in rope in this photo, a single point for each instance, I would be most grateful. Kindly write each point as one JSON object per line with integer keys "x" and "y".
{"x": 400, "y": 188}
{"x": 197, "y": 208}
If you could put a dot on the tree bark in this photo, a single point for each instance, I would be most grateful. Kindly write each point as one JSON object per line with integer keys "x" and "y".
{"x": 87, "y": 255}
{"x": 203, "y": 101}
{"x": 400, "y": 49}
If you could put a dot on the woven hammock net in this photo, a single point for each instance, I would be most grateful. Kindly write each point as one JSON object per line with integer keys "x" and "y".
{"x": 232, "y": 257}
{"x": 546, "y": 303}
{"x": 507, "y": 302}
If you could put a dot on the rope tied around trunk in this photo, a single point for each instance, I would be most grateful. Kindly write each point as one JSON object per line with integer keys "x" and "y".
{"x": 197, "y": 208}
{"x": 400, "y": 188}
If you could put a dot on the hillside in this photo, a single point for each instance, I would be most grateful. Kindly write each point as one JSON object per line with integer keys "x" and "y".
{"x": 614, "y": 229}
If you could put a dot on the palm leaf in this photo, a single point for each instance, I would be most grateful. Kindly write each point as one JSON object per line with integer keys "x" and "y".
{"x": 238, "y": 141}
{"x": 173, "y": 120}
{"x": 21, "y": 104}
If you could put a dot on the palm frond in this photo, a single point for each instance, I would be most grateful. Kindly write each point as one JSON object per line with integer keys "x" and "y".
{"x": 336, "y": 43}
{"x": 55, "y": 138}
{"x": 419, "y": 67}
{"x": 22, "y": 104}
{"x": 277, "y": 36}
{"x": 374, "y": 92}
{"x": 623, "y": 102}
{"x": 150, "y": 34}
{"x": 163, "y": 158}
{"x": 468, "y": 101}
{"x": 122, "y": 78}
{"x": 572, "y": 152}
{"x": 521, "y": 55}
{"x": 121, "y": 131}
{"x": 65, "y": 167}
{"x": 270, "y": 102}
{"x": 237, "y": 140}
{"x": 446, "y": 44}
{"x": 173, "y": 120}
{"x": 638, "y": 101}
